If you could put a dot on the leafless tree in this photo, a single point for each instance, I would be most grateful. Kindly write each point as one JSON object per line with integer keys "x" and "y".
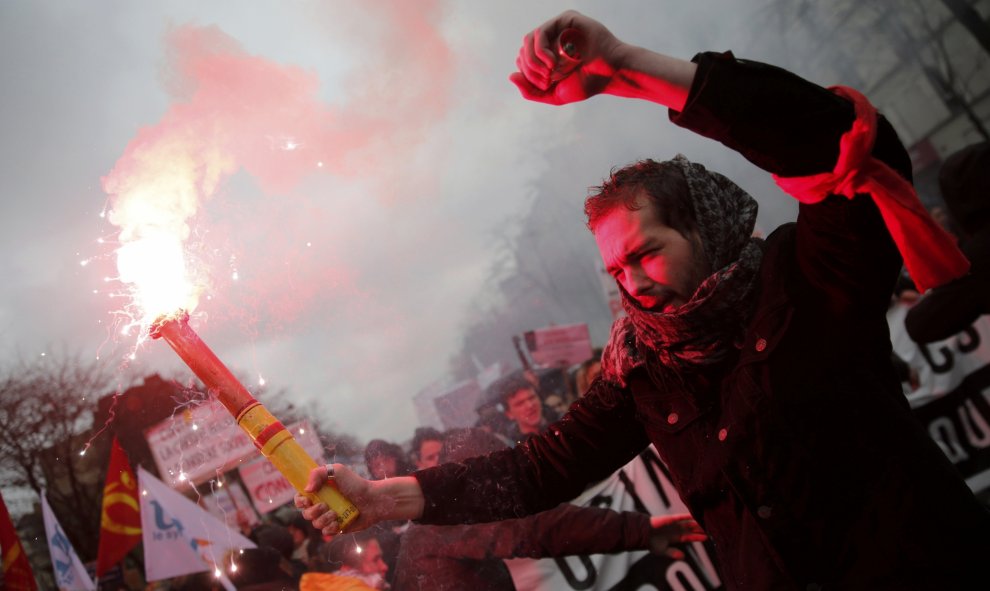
{"x": 46, "y": 410}
{"x": 922, "y": 34}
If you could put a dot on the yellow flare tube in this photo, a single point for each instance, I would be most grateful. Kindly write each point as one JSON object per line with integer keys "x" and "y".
{"x": 267, "y": 433}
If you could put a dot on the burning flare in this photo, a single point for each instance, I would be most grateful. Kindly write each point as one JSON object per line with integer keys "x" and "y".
{"x": 154, "y": 268}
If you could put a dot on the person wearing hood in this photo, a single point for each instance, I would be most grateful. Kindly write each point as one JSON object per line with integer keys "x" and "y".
{"x": 760, "y": 370}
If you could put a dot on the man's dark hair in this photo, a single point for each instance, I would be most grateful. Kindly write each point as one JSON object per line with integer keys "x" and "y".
{"x": 275, "y": 536}
{"x": 380, "y": 447}
{"x": 424, "y": 434}
{"x": 662, "y": 182}
{"x": 301, "y": 523}
{"x": 256, "y": 566}
{"x": 507, "y": 385}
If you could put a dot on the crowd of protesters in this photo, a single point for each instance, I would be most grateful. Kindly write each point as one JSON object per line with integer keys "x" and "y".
{"x": 292, "y": 554}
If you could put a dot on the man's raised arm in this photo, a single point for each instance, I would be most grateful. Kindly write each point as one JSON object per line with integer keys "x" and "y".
{"x": 605, "y": 65}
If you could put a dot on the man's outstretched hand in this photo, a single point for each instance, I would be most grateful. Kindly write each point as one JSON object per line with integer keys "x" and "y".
{"x": 673, "y": 529}
{"x": 382, "y": 500}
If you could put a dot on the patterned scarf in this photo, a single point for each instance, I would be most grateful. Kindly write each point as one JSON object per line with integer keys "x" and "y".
{"x": 700, "y": 334}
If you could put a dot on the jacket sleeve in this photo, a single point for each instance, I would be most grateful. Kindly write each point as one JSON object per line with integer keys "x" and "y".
{"x": 597, "y": 436}
{"x": 791, "y": 127}
{"x": 562, "y": 531}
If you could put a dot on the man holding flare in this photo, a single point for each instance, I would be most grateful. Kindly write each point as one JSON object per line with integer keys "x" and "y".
{"x": 760, "y": 370}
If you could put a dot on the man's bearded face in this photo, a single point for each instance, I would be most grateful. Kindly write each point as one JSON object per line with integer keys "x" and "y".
{"x": 658, "y": 267}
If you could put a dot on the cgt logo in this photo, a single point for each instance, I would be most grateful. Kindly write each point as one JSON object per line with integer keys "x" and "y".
{"x": 272, "y": 489}
{"x": 120, "y": 505}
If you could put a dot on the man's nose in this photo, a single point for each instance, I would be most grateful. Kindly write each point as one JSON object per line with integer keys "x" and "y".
{"x": 638, "y": 282}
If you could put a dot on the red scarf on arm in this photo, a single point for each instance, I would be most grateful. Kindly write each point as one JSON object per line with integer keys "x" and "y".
{"x": 930, "y": 253}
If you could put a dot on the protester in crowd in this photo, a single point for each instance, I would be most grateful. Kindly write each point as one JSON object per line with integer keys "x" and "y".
{"x": 306, "y": 539}
{"x": 261, "y": 569}
{"x": 760, "y": 370}
{"x": 587, "y": 372}
{"x": 470, "y": 556}
{"x": 965, "y": 183}
{"x": 493, "y": 420}
{"x": 353, "y": 563}
{"x": 279, "y": 538}
{"x": 947, "y": 377}
{"x": 385, "y": 460}
{"x": 557, "y": 403}
{"x": 521, "y": 404}
{"x": 426, "y": 444}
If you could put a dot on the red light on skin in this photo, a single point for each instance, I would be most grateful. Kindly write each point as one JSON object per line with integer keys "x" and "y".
{"x": 569, "y": 45}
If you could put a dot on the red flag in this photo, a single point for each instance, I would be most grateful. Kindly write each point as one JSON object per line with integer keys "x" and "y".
{"x": 120, "y": 523}
{"x": 17, "y": 573}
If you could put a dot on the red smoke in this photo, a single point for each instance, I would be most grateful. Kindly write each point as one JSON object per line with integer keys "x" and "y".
{"x": 234, "y": 111}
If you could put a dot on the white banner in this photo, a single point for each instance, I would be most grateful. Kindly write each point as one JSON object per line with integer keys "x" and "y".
{"x": 197, "y": 444}
{"x": 641, "y": 485}
{"x": 952, "y": 398}
{"x": 270, "y": 490}
{"x": 179, "y": 537}
{"x": 70, "y": 574}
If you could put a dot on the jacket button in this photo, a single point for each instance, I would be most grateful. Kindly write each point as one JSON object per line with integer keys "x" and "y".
{"x": 761, "y": 344}
{"x": 764, "y": 512}
{"x": 672, "y": 418}
{"x": 722, "y": 434}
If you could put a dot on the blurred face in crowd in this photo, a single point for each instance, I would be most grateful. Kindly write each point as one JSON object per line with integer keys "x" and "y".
{"x": 587, "y": 375}
{"x": 658, "y": 266}
{"x": 371, "y": 559}
{"x": 382, "y": 466}
{"x": 557, "y": 403}
{"x": 429, "y": 454}
{"x": 524, "y": 407}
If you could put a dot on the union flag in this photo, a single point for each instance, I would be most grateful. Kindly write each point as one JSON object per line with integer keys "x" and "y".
{"x": 120, "y": 522}
{"x": 17, "y": 573}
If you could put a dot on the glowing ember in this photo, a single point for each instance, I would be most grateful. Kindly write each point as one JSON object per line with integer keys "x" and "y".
{"x": 154, "y": 269}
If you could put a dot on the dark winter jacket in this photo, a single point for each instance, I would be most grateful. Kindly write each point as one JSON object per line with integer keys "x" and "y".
{"x": 802, "y": 460}
{"x": 456, "y": 557}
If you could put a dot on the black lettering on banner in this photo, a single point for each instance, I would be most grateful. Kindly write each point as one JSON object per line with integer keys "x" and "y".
{"x": 973, "y": 341}
{"x": 601, "y": 501}
{"x": 591, "y": 575}
{"x": 960, "y": 423}
{"x": 664, "y": 574}
{"x": 631, "y": 489}
{"x": 944, "y": 366}
{"x": 694, "y": 573}
{"x": 655, "y": 470}
{"x": 966, "y": 341}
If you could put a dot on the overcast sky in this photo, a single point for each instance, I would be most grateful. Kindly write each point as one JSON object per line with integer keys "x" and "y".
{"x": 349, "y": 167}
